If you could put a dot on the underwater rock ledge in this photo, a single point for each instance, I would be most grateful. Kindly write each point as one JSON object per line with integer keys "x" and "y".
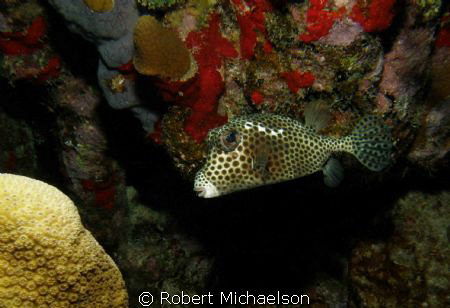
{"x": 76, "y": 113}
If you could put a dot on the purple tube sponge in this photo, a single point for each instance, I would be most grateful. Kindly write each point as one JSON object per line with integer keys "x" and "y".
{"x": 111, "y": 31}
{"x": 127, "y": 98}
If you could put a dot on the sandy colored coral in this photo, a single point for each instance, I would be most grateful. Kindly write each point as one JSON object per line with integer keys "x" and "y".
{"x": 47, "y": 258}
{"x": 100, "y": 6}
{"x": 159, "y": 51}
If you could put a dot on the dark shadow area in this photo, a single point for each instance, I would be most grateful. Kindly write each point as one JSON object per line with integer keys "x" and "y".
{"x": 388, "y": 37}
{"x": 79, "y": 55}
{"x": 28, "y": 102}
{"x": 270, "y": 238}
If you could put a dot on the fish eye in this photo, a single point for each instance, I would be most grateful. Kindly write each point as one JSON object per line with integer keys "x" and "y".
{"x": 230, "y": 140}
{"x": 231, "y": 137}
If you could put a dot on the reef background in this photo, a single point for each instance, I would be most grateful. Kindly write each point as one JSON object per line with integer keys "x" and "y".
{"x": 379, "y": 240}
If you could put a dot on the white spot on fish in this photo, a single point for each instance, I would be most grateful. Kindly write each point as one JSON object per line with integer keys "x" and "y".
{"x": 274, "y": 132}
{"x": 248, "y": 125}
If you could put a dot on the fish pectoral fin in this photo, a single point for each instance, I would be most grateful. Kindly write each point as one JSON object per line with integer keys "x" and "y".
{"x": 260, "y": 160}
{"x": 333, "y": 173}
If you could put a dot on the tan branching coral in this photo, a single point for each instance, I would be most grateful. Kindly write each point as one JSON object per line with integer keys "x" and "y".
{"x": 100, "y": 6}
{"x": 47, "y": 258}
{"x": 159, "y": 50}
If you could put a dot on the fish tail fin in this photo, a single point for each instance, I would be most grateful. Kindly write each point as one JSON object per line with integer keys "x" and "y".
{"x": 372, "y": 143}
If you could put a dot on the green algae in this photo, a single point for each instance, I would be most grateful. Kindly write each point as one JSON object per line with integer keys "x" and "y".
{"x": 353, "y": 66}
{"x": 159, "y": 4}
{"x": 429, "y": 9}
{"x": 281, "y": 31}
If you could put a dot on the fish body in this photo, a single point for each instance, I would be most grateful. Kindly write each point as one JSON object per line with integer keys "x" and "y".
{"x": 262, "y": 149}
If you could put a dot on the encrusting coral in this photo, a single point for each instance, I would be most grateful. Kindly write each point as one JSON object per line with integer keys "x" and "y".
{"x": 159, "y": 51}
{"x": 100, "y": 6}
{"x": 47, "y": 258}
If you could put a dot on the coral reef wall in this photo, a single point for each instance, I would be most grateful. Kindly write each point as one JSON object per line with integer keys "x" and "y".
{"x": 96, "y": 103}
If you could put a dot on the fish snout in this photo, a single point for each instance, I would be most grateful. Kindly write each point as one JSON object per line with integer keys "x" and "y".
{"x": 205, "y": 188}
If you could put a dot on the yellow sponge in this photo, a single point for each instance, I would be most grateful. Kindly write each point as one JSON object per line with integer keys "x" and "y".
{"x": 47, "y": 258}
{"x": 100, "y": 6}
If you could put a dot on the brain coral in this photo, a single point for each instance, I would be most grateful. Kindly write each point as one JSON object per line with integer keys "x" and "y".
{"x": 47, "y": 258}
{"x": 159, "y": 51}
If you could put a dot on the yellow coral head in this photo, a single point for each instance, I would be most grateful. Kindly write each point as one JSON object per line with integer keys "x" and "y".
{"x": 159, "y": 50}
{"x": 100, "y": 6}
{"x": 47, "y": 257}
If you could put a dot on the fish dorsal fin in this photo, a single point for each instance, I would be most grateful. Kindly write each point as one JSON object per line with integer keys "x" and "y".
{"x": 310, "y": 129}
{"x": 317, "y": 115}
{"x": 333, "y": 173}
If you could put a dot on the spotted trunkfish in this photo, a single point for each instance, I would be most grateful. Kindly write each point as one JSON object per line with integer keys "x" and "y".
{"x": 261, "y": 149}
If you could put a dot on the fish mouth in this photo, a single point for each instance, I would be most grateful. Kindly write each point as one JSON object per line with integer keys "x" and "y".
{"x": 201, "y": 191}
{"x": 206, "y": 189}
